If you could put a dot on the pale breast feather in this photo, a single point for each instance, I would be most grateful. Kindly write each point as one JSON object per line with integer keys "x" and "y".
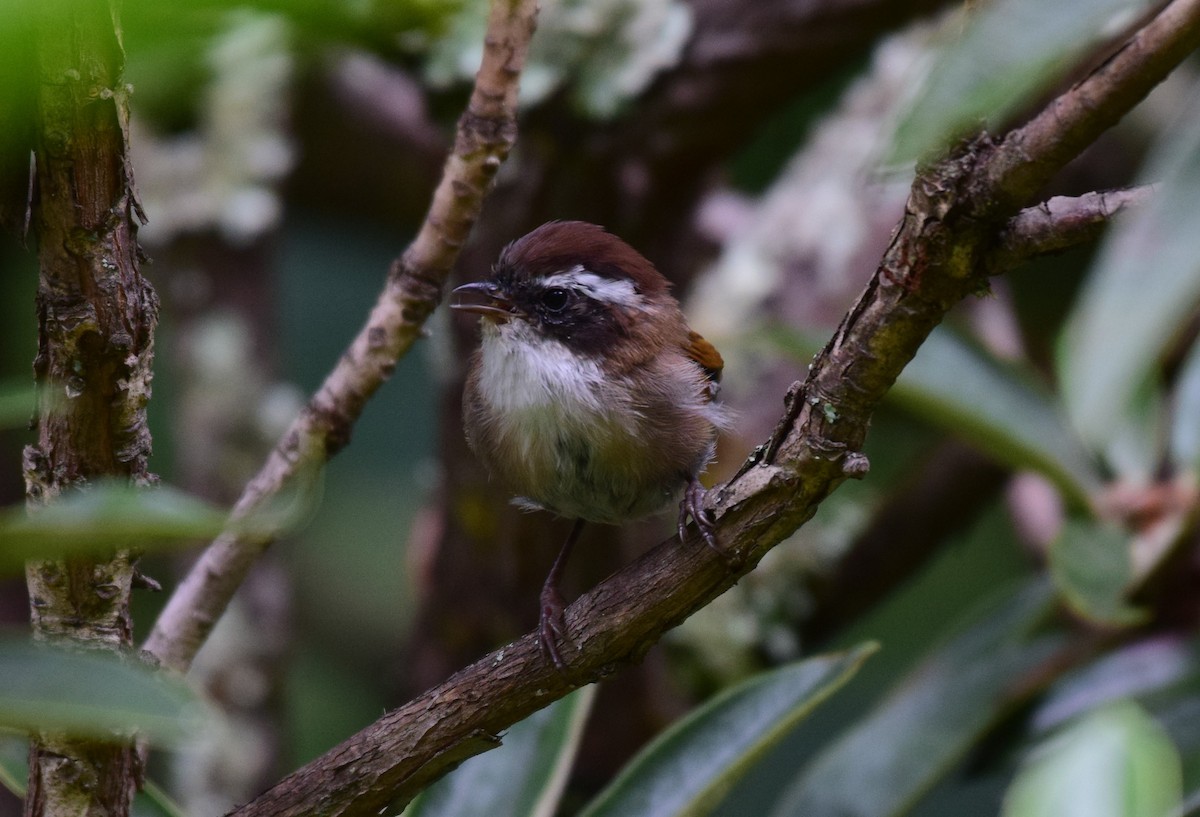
{"x": 523, "y": 369}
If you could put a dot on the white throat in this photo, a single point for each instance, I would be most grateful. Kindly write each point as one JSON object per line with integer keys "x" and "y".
{"x": 523, "y": 370}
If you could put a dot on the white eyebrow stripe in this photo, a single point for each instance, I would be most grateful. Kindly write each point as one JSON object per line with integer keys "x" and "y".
{"x": 596, "y": 286}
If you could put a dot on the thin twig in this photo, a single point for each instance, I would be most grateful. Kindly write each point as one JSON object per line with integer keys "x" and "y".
{"x": 485, "y": 135}
{"x": 1060, "y": 223}
{"x": 955, "y": 212}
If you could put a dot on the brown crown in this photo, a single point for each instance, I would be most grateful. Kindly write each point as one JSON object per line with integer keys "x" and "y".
{"x": 561, "y": 245}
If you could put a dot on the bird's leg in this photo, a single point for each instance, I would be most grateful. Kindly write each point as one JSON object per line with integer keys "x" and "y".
{"x": 552, "y": 624}
{"x": 693, "y": 505}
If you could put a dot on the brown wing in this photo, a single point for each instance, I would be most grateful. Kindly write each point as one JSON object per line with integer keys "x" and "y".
{"x": 704, "y": 353}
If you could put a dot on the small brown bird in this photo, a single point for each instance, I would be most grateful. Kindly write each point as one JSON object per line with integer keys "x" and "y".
{"x": 589, "y": 396}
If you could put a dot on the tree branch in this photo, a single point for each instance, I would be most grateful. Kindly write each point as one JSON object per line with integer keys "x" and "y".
{"x": 1060, "y": 223}
{"x": 486, "y": 132}
{"x": 96, "y": 319}
{"x": 956, "y": 210}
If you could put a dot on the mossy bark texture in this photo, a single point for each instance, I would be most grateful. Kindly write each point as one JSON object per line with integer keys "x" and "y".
{"x": 96, "y": 318}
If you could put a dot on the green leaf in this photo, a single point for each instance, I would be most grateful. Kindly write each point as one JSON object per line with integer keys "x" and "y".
{"x": 1184, "y": 445}
{"x": 1141, "y": 293}
{"x": 92, "y": 694}
{"x": 1009, "y": 51}
{"x": 17, "y": 403}
{"x": 14, "y": 763}
{"x": 152, "y": 801}
{"x": 522, "y": 778}
{"x": 996, "y": 408}
{"x": 1090, "y": 563}
{"x": 1116, "y": 762}
{"x": 688, "y": 769}
{"x": 1157, "y": 671}
{"x": 104, "y": 516}
{"x": 890, "y": 758}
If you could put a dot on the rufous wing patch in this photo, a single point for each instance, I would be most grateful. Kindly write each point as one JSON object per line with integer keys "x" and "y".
{"x": 704, "y": 353}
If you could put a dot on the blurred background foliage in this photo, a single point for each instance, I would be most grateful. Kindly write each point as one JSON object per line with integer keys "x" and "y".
{"x": 1023, "y": 552}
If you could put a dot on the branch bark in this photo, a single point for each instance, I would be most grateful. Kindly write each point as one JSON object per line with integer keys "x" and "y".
{"x": 1060, "y": 223}
{"x": 955, "y": 214}
{"x": 96, "y": 318}
{"x": 485, "y": 135}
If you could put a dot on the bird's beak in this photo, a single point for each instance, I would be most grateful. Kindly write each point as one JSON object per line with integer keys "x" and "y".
{"x": 484, "y": 298}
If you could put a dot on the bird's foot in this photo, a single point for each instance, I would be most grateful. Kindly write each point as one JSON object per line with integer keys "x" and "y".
{"x": 552, "y": 625}
{"x": 693, "y": 506}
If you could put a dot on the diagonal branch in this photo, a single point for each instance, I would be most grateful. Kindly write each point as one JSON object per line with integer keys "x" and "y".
{"x": 956, "y": 212}
{"x": 485, "y": 135}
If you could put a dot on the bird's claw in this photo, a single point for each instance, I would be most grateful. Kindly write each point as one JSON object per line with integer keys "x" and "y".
{"x": 693, "y": 506}
{"x": 552, "y": 626}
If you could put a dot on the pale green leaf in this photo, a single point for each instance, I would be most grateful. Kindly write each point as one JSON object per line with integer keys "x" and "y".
{"x": 153, "y": 801}
{"x": 92, "y": 694}
{"x": 1116, "y": 762}
{"x": 897, "y": 752}
{"x": 1091, "y": 565}
{"x": 688, "y": 769}
{"x": 1157, "y": 667}
{"x": 996, "y": 408}
{"x": 150, "y": 801}
{"x": 524, "y": 777}
{"x": 14, "y": 763}
{"x": 1008, "y": 52}
{"x": 1184, "y": 443}
{"x": 1141, "y": 294}
{"x": 17, "y": 403}
{"x": 104, "y": 516}
{"x": 1190, "y": 806}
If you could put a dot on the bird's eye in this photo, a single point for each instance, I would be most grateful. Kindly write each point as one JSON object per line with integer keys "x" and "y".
{"x": 555, "y": 299}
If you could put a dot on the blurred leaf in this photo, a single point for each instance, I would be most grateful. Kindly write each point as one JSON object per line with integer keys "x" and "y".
{"x": 1151, "y": 259}
{"x": 895, "y": 754}
{"x": 1190, "y": 806}
{"x": 103, "y": 516}
{"x": 522, "y": 778}
{"x": 14, "y": 763}
{"x": 604, "y": 54}
{"x": 1009, "y": 51}
{"x": 1090, "y": 563}
{"x": 290, "y": 507}
{"x": 1184, "y": 445}
{"x": 1134, "y": 449}
{"x": 1116, "y": 762}
{"x": 92, "y": 694}
{"x": 1140, "y": 669}
{"x": 17, "y": 403}
{"x": 1007, "y": 415}
{"x": 165, "y": 45}
{"x": 152, "y": 801}
{"x": 688, "y": 769}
